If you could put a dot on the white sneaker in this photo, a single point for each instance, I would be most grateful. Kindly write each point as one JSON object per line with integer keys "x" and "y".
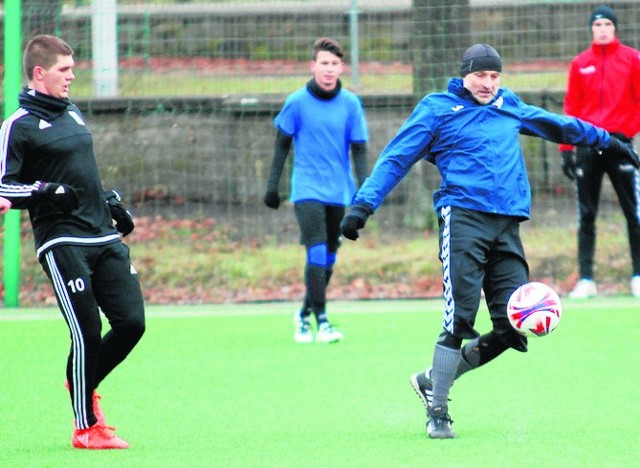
{"x": 328, "y": 334}
{"x": 585, "y": 288}
{"x": 635, "y": 286}
{"x": 302, "y": 329}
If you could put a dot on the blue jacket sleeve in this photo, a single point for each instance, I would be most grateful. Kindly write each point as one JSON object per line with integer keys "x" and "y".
{"x": 560, "y": 128}
{"x": 409, "y": 145}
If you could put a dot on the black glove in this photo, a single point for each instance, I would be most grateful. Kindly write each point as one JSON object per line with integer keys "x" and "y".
{"x": 625, "y": 150}
{"x": 272, "y": 199}
{"x": 569, "y": 164}
{"x": 122, "y": 217}
{"x": 356, "y": 219}
{"x": 63, "y": 196}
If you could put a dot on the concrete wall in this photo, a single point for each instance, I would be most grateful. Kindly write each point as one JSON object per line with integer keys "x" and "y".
{"x": 210, "y": 157}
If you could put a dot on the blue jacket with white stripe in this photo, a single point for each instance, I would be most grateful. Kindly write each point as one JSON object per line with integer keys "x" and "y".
{"x": 476, "y": 149}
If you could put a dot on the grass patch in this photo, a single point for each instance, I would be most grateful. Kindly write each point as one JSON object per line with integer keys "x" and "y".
{"x": 225, "y": 386}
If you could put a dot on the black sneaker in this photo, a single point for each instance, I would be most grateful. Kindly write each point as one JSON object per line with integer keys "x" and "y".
{"x": 421, "y": 383}
{"x": 439, "y": 423}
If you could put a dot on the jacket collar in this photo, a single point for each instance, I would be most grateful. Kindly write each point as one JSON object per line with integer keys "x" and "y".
{"x": 315, "y": 89}
{"x": 602, "y": 49}
{"x": 456, "y": 87}
{"x": 42, "y": 105}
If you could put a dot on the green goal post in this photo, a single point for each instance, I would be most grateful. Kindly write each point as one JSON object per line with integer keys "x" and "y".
{"x": 12, "y": 85}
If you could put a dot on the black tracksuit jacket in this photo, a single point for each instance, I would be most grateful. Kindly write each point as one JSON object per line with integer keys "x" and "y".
{"x": 47, "y": 140}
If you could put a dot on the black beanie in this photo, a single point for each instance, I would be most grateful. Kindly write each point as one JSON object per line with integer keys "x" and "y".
{"x": 601, "y": 12}
{"x": 480, "y": 57}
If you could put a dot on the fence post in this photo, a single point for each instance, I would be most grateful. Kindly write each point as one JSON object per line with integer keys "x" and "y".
{"x": 12, "y": 85}
{"x": 355, "y": 45}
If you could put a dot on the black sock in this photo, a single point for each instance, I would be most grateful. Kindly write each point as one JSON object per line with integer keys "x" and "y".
{"x": 306, "y": 310}
{"x": 480, "y": 351}
{"x": 316, "y": 283}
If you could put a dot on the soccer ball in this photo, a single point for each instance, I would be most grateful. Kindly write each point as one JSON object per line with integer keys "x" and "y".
{"x": 534, "y": 309}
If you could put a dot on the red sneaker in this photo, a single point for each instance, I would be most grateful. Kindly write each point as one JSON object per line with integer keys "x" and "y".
{"x": 97, "y": 411}
{"x": 97, "y": 437}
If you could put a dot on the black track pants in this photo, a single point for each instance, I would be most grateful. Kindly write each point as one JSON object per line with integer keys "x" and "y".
{"x": 591, "y": 168}
{"x": 87, "y": 280}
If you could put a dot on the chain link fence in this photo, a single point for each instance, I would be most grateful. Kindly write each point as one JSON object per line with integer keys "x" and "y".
{"x": 186, "y": 130}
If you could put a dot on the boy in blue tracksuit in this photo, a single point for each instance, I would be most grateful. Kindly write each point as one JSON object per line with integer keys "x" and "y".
{"x": 470, "y": 132}
{"x": 326, "y": 123}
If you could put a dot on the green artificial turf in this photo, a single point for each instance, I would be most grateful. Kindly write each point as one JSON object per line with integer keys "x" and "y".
{"x": 225, "y": 385}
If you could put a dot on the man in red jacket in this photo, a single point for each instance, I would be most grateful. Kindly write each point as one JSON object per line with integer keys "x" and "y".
{"x": 604, "y": 89}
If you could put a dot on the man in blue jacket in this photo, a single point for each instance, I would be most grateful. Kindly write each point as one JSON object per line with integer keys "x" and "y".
{"x": 470, "y": 132}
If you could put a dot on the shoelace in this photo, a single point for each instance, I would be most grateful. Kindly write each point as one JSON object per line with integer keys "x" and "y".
{"x": 103, "y": 429}
{"x": 107, "y": 430}
{"x": 444, "y": 417}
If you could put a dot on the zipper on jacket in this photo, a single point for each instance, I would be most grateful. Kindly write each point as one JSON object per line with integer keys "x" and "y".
{"x": 604, "y": 53}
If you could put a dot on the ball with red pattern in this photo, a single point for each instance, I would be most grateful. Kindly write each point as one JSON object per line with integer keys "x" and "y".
{"x": 534, "y": 309}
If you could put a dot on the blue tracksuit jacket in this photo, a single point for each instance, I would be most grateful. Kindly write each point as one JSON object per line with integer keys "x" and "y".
{"x": 475, "y": 148}
{"x": 322, "y": 131}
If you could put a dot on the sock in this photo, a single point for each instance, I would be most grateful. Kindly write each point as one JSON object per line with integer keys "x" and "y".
{"x": 469, "y": 359}
{"x": 478, "y": 352}
{"x": 443, "y": 373}
{"x": 328, "y": 272}
{"x": 306, "y": 310}
{"x": 321, "y": 317}
{"x": 315, "y": 282}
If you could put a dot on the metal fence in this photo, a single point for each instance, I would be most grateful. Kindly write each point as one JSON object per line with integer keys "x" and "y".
{"x": 186, "y": 129}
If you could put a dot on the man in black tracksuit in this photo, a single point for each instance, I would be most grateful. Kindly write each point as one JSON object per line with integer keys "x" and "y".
{"x": 47, "y": 165}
